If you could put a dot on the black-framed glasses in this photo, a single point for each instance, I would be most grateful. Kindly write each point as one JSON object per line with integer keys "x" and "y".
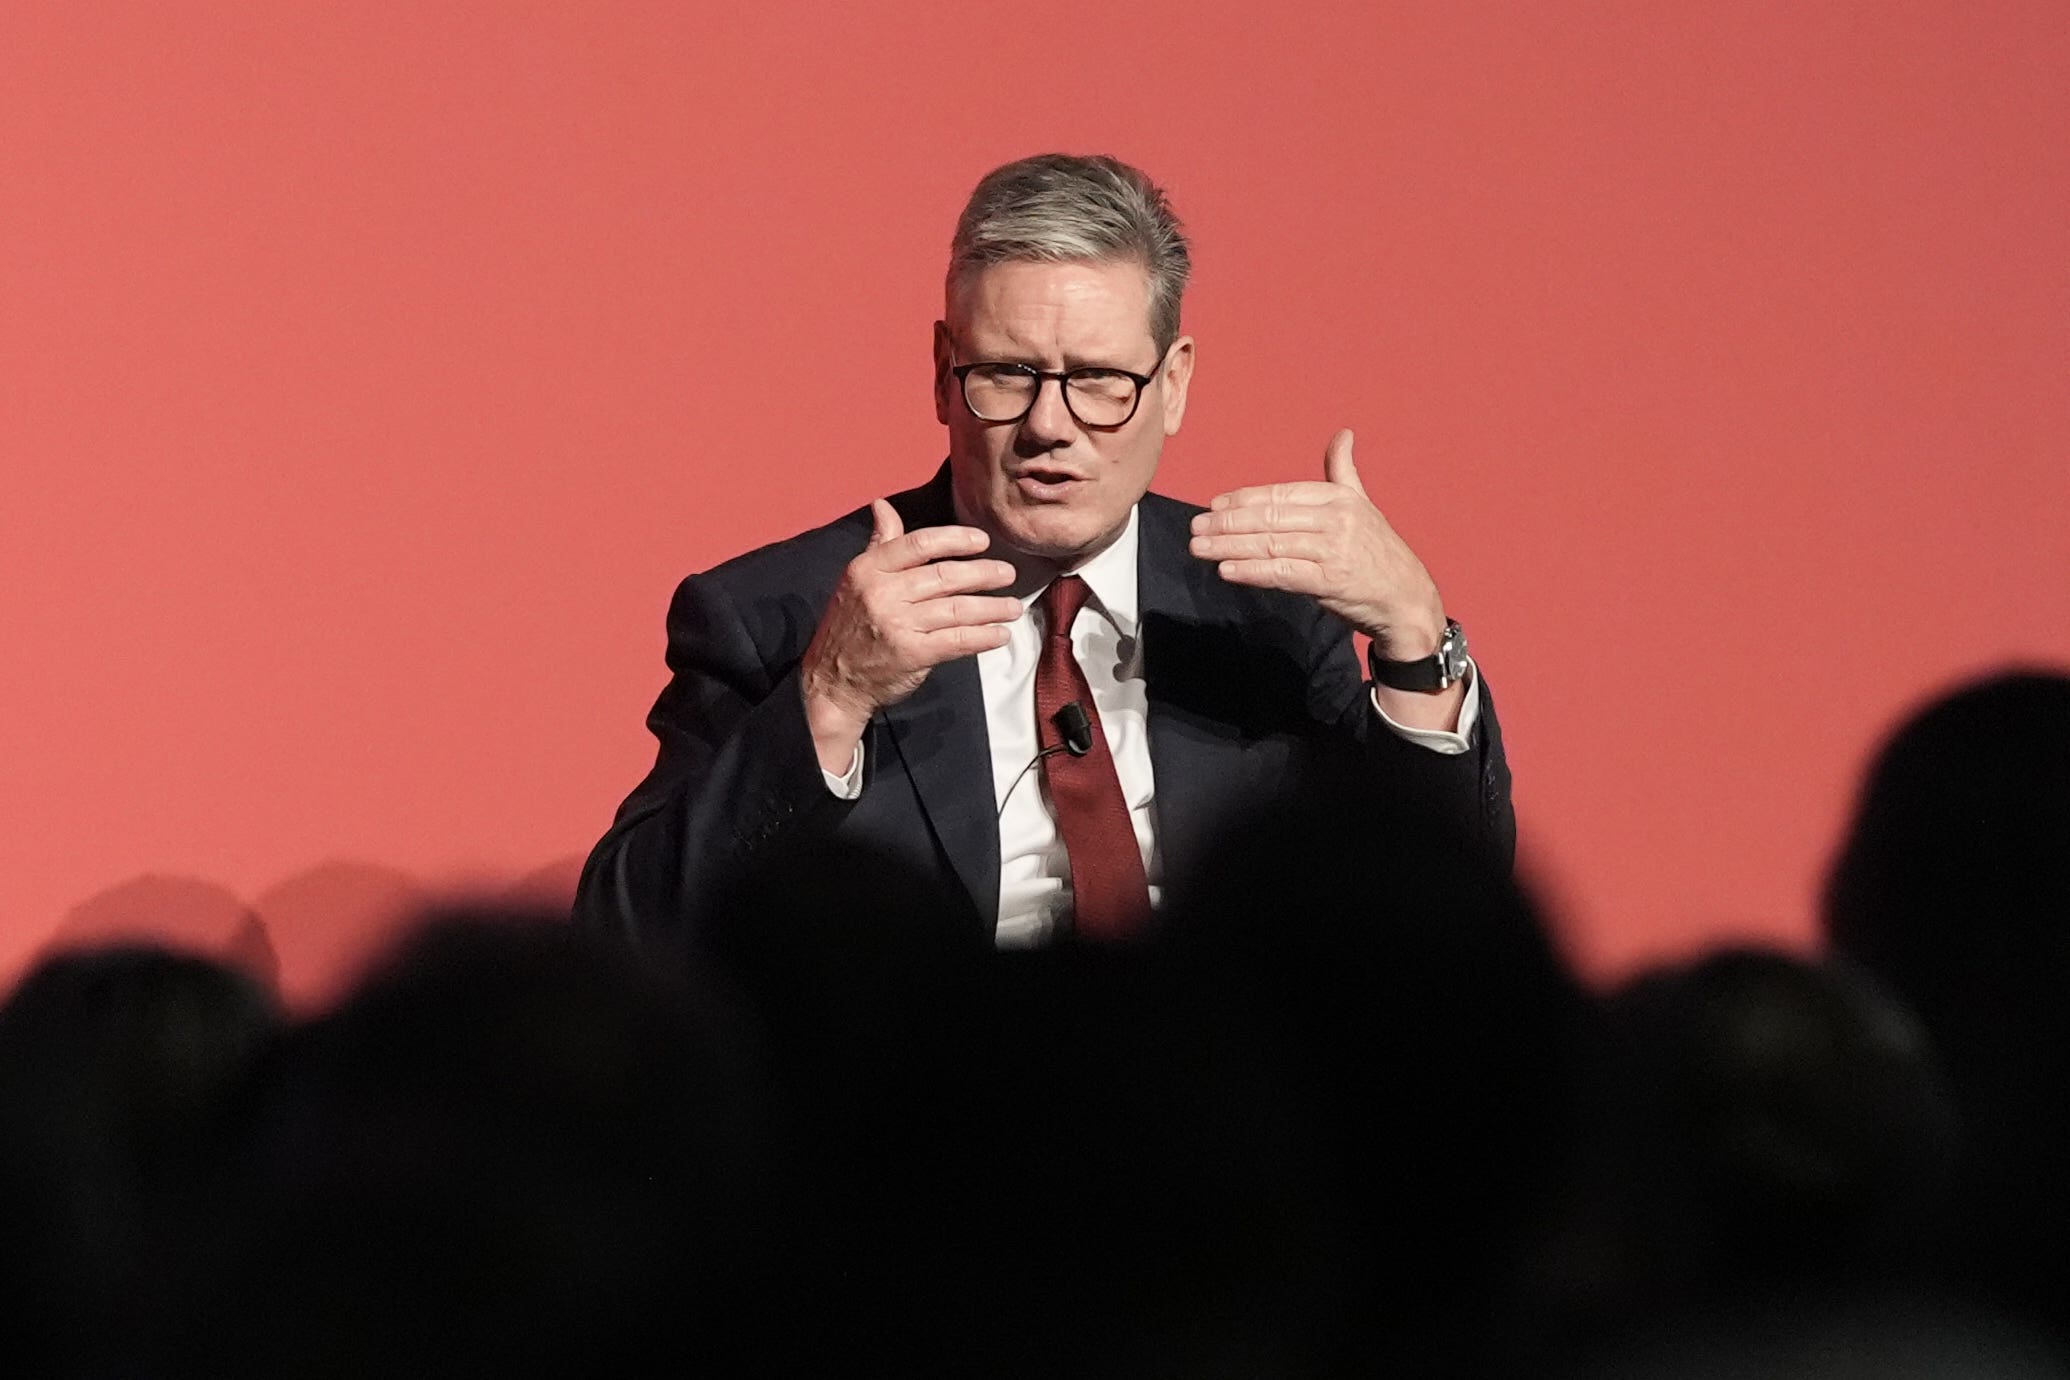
{"x": 1097, "y": 395}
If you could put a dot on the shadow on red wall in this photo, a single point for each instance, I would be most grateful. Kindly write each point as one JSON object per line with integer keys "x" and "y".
{"x": 307, "y": 936}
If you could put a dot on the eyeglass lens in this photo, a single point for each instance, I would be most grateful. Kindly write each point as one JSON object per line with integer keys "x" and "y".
{"x": 1096, "y": 397}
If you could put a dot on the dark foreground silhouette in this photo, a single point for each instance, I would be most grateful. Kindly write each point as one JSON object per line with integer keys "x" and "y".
{"x": 1345, "y": 1113}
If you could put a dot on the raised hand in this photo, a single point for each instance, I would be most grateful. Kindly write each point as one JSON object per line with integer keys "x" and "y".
{"x": 908, "y": 603}
{"x": 1325, "y": 538}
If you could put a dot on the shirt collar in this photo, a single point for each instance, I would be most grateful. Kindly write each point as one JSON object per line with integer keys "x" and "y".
{"x": 1111, "y": 576}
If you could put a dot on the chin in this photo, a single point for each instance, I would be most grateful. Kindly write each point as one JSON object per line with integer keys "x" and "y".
{"x": 1060, "y": 541}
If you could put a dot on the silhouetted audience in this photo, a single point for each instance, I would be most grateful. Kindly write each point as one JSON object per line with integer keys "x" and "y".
{"x": 1760, "y": 1138}
{"x": 1290, "y": 1136}
{"x": 117, "y": 1069}
{"x": 511, "y": 1150}
{"x": 1953, "y": 887}
{"x": 1408, "y": 1031}
{"x": 1327, "y": 1120}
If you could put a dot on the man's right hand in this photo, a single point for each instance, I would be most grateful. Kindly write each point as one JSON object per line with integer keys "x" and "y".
{"x": 908, "y": 603}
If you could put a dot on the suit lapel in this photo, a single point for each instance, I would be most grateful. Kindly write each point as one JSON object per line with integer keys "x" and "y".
{"x": 939, "y": 731}
{"x": 1169, "y": 612}
{"x": 939, "y": 734}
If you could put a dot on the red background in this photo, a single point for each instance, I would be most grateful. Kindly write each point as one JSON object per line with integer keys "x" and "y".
{"x": 369, "y": 373}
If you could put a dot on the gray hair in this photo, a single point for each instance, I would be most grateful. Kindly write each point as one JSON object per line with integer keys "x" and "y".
{"x": 1061, "y": 208}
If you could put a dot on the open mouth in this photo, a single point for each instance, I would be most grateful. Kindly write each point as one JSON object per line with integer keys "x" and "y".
{"x": 1045, "y": 486}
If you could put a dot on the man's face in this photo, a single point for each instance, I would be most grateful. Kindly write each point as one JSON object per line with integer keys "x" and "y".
{"x": 1048, "y": 485}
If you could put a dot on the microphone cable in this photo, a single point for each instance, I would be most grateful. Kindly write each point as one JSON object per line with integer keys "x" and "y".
{"x": 1076, "y": 725}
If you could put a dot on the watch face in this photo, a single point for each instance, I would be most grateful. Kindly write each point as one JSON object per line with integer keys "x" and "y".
{"x": 1452, "y": 652}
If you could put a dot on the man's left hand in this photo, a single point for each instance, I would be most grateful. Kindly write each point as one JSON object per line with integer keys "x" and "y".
{"x": 1326, "y": 539}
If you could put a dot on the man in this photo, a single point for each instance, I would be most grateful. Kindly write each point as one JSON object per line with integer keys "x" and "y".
{"x": 1030, "y": 681}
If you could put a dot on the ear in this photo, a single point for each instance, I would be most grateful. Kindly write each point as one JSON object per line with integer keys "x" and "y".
{"x": 1178, "y": 374}
{"x": 944, "y": 381}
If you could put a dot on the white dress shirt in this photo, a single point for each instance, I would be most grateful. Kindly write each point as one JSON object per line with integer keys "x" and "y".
{"x": 1034, "y": 869}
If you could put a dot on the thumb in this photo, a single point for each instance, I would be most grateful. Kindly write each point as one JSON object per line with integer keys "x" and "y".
{"x": 887, "y": 525}
{"x": 1338, "y": 466}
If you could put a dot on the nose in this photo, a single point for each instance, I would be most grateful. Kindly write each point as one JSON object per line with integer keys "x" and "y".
{"x": 1049, "y": 421}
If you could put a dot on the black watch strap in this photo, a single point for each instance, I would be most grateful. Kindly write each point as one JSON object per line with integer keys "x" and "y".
{"x": 1429, "y": 674}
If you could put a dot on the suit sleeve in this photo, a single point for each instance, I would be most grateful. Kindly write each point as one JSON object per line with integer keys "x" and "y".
{"x": 1469, "y": 791}
{"x": 736, "y": 780}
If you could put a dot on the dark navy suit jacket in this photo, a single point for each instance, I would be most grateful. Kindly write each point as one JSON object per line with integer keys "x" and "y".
{"x": 1247, "y": 688}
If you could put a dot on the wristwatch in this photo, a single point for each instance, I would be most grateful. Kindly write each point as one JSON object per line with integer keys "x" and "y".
{"x": 1431, "y": 674}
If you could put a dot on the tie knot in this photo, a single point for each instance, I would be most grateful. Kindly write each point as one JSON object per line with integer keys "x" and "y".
{"x": 1061, "y": 601}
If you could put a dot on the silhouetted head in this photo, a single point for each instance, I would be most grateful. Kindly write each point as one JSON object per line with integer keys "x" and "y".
{"x": 1776, "y": 1121}
{"x": 117, "y": 1068}
{"x": 1408, "y": 1028}
{"x": 511, "y": 1147}
{"x": 1953, "y": 885}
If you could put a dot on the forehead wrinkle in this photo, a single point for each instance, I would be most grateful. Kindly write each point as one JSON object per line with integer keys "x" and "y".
{"x": 1069, "y": 321}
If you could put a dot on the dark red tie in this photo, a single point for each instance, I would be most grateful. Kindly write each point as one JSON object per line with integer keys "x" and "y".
{"x": 1110, "y": 892}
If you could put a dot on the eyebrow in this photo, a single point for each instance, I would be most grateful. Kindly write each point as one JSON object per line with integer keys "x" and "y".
{"x": 1070, "y": 362}
{"x": 1031, "y": 361}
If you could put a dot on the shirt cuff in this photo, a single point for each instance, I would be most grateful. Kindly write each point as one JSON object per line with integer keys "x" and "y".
{"x": 1437, "y": 739}
{"x": 849, "y": 785}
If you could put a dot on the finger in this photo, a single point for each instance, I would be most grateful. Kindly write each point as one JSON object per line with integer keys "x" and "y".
{"x": 963, "y": 639}
{"x": 965, "y": 611}
{"x": 1264, "y": 517}
{"x": 1338, "y": 466}
{"x": 939, "y": 578}
{"x": 925, "y": 544}
{"x": 1298, "y": 493}
{"x": 1242, "y": 546}
{"x": 885, "y": 524}
{"x": 1278, "y": 572}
